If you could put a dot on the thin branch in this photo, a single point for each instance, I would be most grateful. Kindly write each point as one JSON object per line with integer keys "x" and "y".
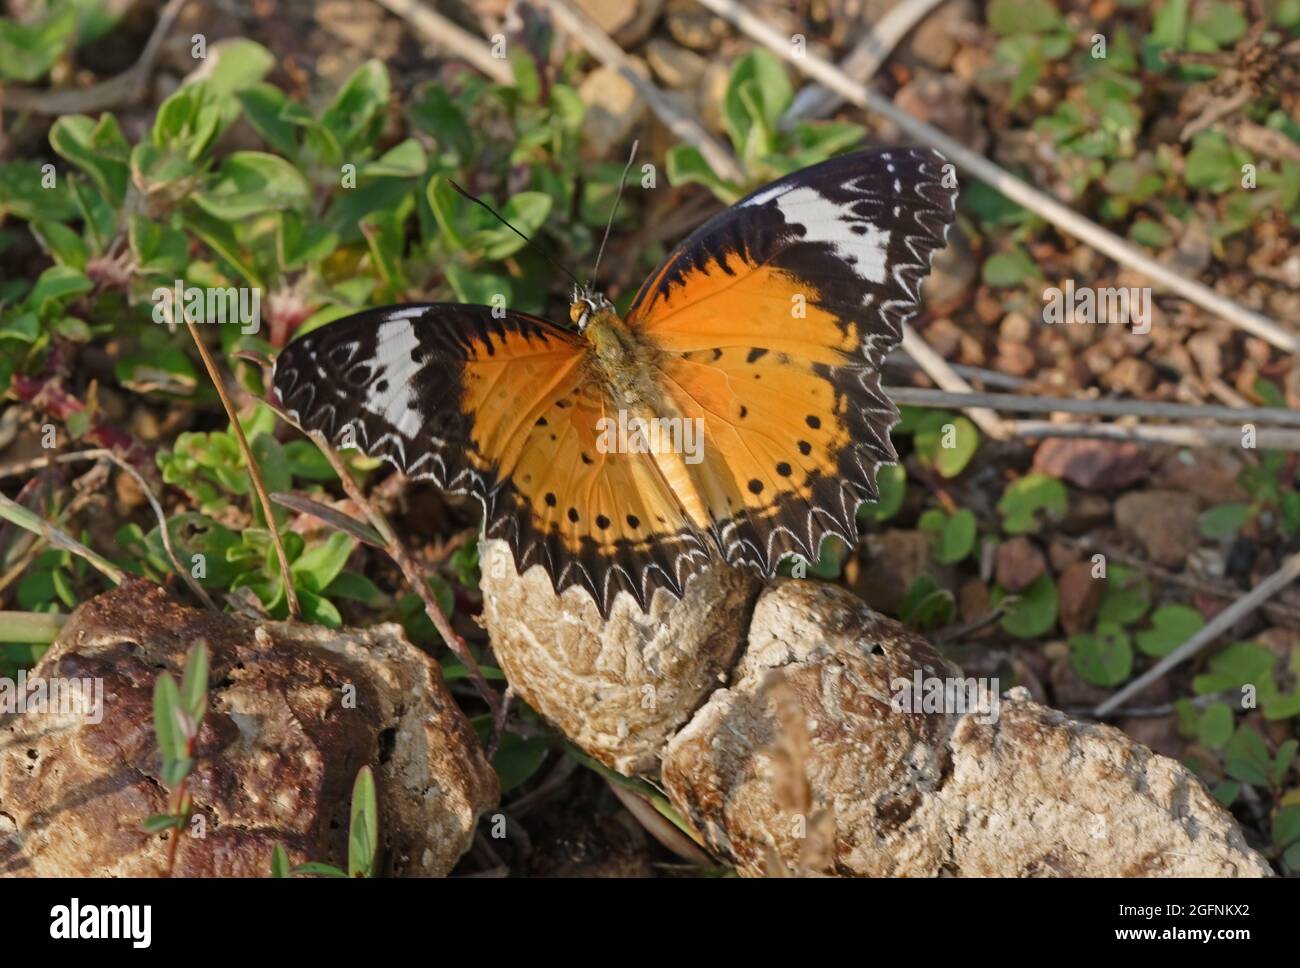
{"x": 1266, "y": 438}
{"x": 990, "y": 378}
{"x": 254, "y": 472}
{"x": 15, "y": 513}
{"x": 125, "y": 88}
{"x": 677, "y": 119}
{"x": 867, "y": 57}
{"x": 1063, "y": 217}
{"x": 451, "y": 38}
{"x": 1217, "y": 626}
{"x": 916, "y": 396}
{"x": 941, "y": 372}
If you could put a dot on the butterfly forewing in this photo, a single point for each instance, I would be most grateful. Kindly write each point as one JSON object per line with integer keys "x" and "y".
{"x": 775, "y": 318}
{"x": 502, "y": 409}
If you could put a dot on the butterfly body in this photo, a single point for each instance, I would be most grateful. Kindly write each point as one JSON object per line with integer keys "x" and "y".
{"x": 733, "y": 415}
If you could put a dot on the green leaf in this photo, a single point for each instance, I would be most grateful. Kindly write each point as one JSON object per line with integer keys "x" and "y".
{"x": 926, "y": 605}
{"x": 321, "y": 563}
{"x": 279, "y": 862}
{"x": 319, "y": 870}
{"x": 686, "y": 166}
{"x": 1246, "y": 758}
{"x": 62, "y": 244}
{"x": 1223, "y": 522}
{"x": 363, "y": 831}
{"x": 1012, "y": 268}
{"x": 1286, "y": 827}
{"x": 405, "y": 160}
{"x": 758, "y": 93}
{"x": 518, "y": 758}
{"x": 951, "y": 536}
{"x": 28, "y": 50}
{"x": 891, "y": 480}
{"x": 1127, "y": 596}
{"x": 166, "y": 700}
{"x": 194, "y": 683}
{"x": 946, "y": 443}
{"x": 1240, "y": 664}
{"x": 251, "y": 182}
{"x": 1215, "y": 727}
{"x": 158, "y": 822}
{"x": 1023, "y": 16}
{"x": 235, "y": 64}
{"x": 1035, "y": 612}
{"x": 1171, "y": 626}
{"x": 1028, "y": 497}
{"x": 357, "y": 113}
{"x": 274, "y": 117}
{"x": 97, "y": 148}
{"x": 1103, "y": 657}
{"x": 1214, "y": 164}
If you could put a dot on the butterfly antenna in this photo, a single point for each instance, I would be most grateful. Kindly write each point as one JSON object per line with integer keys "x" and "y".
{"x": 502, "y": 219}
{"x": 614, "y": 211}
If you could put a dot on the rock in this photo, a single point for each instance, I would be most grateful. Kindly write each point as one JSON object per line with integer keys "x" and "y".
{"x": 618, "y": 688}
{"x": 1163, "y": 522}
{"x": 676, "y": 66}
{"x": 1023, "y": 791}
{"x": 1080, "y": 597}
{"x": 276, "y": 756}
{"x": 712, "y": 92}
{"x": 895, "y": 559}
{"x": 1020, "y": 564}
{"x": 804, "y": 757}
{"x": 1211, "y": 475}
{"x": 694, "y": 27}
{"x": 613, "y": 109}
{"x": 934, "y": 42}
{"x": 1092, "y": 464}
{"x": 627, "y": 21}
{"x": 945, "y": 101}
{"x": 1130, "y": 375}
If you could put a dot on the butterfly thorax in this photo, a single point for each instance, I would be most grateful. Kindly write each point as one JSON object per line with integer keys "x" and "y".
{"x": 623, "y": 361}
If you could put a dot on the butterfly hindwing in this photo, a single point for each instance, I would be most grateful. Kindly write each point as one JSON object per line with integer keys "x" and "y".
{"x": 504, "y": 410}
{"x": 774, "y": 319}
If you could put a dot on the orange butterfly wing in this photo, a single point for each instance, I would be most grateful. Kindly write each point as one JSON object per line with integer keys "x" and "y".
{"x": 504, "y": 410}
{"x": 774, "y": 319}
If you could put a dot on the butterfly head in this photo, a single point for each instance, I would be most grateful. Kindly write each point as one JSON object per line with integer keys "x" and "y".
{"x": 585, "y": 305}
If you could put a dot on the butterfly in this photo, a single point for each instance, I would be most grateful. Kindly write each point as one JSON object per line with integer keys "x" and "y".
{"x": 734, "y": 414}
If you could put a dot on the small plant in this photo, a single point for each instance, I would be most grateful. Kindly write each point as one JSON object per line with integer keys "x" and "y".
{"x": 363, "y": 838}
{"x": 757, "y": 97}
{"x": 177, "y": 715}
